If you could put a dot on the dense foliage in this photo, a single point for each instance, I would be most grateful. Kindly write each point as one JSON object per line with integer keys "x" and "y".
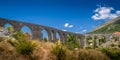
{"x": 112, "y": 53}
{"x": 71, "y": 42}
{"x": 23, "y": 45}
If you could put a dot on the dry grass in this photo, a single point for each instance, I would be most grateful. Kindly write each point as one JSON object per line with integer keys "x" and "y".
{"x": 83, "y": 54}
{"x": 8, "y": 52}
{"x": 42, "y": 51}
{"x": 91, "y": 55}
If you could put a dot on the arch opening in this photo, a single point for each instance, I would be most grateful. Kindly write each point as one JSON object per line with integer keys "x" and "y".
{"x": 57, "y": 36}
{"x": 8, "y": 27}
{"x": 102, "y": 40}
{"x": 44, "y": 35}
{"x": 27, "y": 32}
{"x": 89, "y": 40}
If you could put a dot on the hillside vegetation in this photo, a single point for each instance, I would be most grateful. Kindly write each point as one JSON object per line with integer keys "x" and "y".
{"x": 110, "y": 26}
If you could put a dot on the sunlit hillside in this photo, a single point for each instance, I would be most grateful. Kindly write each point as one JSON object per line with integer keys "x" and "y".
{"x": 109, "y": 27}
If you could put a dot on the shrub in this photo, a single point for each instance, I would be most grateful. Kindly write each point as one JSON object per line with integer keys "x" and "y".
{"x": 71, "y": 43}
{"x": 95, "y": 42}
{"x": 59, "y": 51}
{"x": 22, "y": 45}
{"x": 25, "y": 48}
{"x": 112, "y": 53}
{"x": 10, "y": 28}
{"x": 112, "y": 45}
{"x": 102, "y": 40}
{"x": 19, "y": 36}
{"x": 119, "y": 45}
{"x": 45, "y": 39}
{"x": 115, "y": 38}
{"x": 88, "y": 47}
{"x": 88, "y": 40}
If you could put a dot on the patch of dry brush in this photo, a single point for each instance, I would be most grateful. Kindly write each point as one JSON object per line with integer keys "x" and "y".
{"x": 43, "y": 50}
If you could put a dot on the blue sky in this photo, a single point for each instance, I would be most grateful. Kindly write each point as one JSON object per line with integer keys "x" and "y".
{"x": 79, "y": 16}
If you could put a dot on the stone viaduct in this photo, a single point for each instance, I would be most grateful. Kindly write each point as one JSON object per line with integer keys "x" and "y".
{"x": 108, "y": 37}
{"x": 36, "y": 31}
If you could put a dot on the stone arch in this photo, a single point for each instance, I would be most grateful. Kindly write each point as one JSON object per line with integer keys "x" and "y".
{"x": 2, "y": 22}
{"x": 88, "y": 37}
{"x": 113, "y": 37}
{"x": 64, "y": 34}
{"x": 57, "y": 36}
{"x": 61, "y": 36}
{"x": 102, "y": 39}
{"x": 27, "y": 31}
{"x": 8, "y": 26}
{"x": 46, "y": 33}
{"x": 81, "y": 38}
{"x": 89, "y": 40}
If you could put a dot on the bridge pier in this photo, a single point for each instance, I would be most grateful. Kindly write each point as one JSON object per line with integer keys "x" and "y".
{"x": 53, "y": 36}
{"x": 65, "y": 36}
{"x": 49, "y": 35}
{"x": 37, "y": 33}
{"x": 61, "y": 37}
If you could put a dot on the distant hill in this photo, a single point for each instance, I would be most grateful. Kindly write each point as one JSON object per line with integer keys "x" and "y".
{"x": 110, "y": 26}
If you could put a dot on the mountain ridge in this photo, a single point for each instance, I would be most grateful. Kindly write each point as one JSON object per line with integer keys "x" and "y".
{"x": 110, "y": 26}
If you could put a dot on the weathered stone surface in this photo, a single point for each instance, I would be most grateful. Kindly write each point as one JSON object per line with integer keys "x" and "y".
{"x": 37, "y": 30}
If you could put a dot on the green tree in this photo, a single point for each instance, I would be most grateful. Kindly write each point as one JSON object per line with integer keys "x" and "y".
{"x": 94, "y": 42}
{"x": 71, "y": 42}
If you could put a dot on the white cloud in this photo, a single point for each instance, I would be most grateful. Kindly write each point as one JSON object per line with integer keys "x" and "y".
{"x": 67, "y": 25}
{"x": 64, "y": 30}
{"x": 84, "y": 31}
{"x": 113, "y": 16}
{"x": 70, "y": 26}
{"x": 118, "y": 12}
{"x": 104, "y": 13}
